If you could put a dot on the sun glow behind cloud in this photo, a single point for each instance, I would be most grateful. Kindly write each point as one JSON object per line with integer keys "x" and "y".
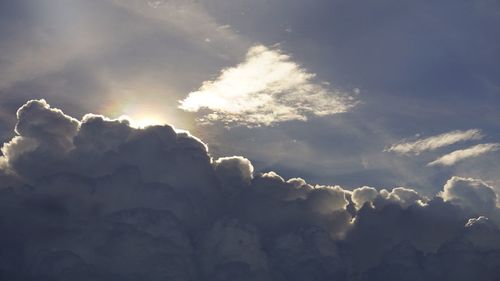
{"x": 139, "y": 114}
{"x": 143, "y": 121}
{"x": 144, "y": 102}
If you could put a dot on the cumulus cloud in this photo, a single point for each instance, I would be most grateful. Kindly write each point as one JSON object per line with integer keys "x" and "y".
{"x": 96, "y": 199}
{"x": 462, "y": 154}
{"x": 471, "y": 194}
{"x": 432, "y": 143}
{"x": 234, "y": 170}
{"x": 36, "y": 120}
{"x": 268, "y": 87}
{"x": 404, "y": 197}
{"x": 364, "y": 194}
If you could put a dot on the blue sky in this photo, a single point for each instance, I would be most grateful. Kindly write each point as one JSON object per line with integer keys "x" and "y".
{"x": 413, "y": 70}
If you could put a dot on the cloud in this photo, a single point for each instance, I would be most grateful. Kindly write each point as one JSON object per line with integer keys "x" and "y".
{"x": 233, "y": 244}
{"x": 462, "y": 154}
{"x": 96, "y": 199}
{"x": 36, "y": 120}
{"x": 404, "y": 197}
{"x": 364, "y": 194}
{"x": 432, "y": 143}
{"x": 235, "y": 170}
{"x": 471, "y": 194}
{"x": 479, "y": 220}
{"x": 268, "y": 87}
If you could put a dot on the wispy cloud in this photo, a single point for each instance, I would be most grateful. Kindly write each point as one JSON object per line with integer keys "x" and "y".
{"x": 459, "y": 155}
{"x": 268, "y": 87}
{"x": 434, "y": 142}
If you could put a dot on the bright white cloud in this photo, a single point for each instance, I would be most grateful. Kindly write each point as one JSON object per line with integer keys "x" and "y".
{"x": 362, "y": 195}
{"x": 268, "y": 87}
{"x": 479, "y": 220}
{"x": 435, "y": 142}
{"x": 459, "y": 155}
{"x": 471, "y": 194}
{"x": 404, "y": 196}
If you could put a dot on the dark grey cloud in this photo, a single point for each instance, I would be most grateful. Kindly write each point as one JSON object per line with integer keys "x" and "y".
{"x": 90, "y": 198}
{"x": 95, "y": 199}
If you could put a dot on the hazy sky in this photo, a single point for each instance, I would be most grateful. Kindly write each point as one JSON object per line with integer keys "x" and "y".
{"x": 326, "y": 90}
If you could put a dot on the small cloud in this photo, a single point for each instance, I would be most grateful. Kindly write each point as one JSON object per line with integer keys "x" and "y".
{"x": 432, "y": 143}
{"x": 163, "y": 3}
{"x": 267, "y": 88}
{"x": 156, "y": 3}
{"x": 474, "y": 221}
{"x": 459, "y": 155}
{"x": 224, "y": 27}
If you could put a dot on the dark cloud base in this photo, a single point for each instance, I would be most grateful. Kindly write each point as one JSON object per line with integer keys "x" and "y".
{"x": 95, "y": 199}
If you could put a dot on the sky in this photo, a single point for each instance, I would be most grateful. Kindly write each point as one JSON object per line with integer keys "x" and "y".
{"x": 341, "y": 114}
{"x": 376, "y": 74}
{"x": 366, "y": 76}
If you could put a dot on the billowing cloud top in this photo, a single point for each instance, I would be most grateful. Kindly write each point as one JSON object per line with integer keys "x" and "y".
{"x": 266, "y": 88}
{"x": 96, "y": 199}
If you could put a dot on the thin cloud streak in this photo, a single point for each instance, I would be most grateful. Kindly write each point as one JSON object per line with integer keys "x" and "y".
{"x": 459, "y": 155}
{"x": 432, "y": 143}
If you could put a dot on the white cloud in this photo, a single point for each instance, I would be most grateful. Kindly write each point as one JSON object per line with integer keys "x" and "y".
{"x": 470, "y": 194}
{"x": 234, "y": 170}
{"x": 479, "y": 220}
{"x": 268, "y": 87}
{"x": 435, "y": 142}
{"x": 405, "y": 197}
{"x": 362, "y": 195}
{"x": 459, "y": 155}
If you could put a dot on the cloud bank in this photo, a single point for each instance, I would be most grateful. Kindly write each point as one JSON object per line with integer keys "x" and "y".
{"x": 95, "y": 199}
{"x": 268, "y": 87}
{"x": 432, "y": 143}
